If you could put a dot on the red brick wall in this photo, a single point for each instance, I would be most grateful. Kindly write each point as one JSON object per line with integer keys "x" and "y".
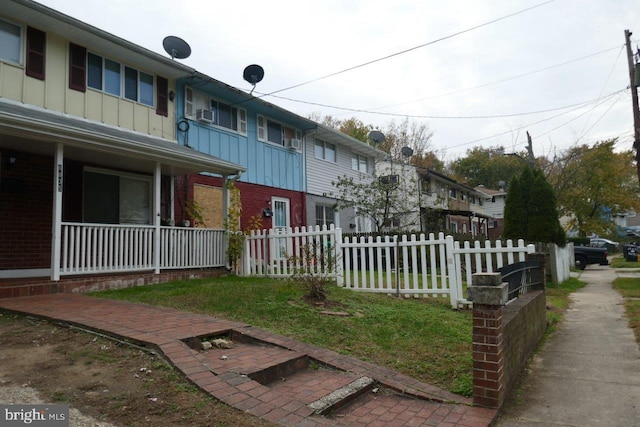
{"x": 13, "y": 288}
{"x": 504, "y": 337}
{"x": 524, "y": 323}
{"x": 26, "y": 198}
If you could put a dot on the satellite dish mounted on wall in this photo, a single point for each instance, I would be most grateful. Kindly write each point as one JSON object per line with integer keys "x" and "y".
{"x": 176, "y": 47}
{"x": 253, "y": 74}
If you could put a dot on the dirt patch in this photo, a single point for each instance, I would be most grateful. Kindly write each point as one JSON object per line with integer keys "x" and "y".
{"x": 103, "y": 379}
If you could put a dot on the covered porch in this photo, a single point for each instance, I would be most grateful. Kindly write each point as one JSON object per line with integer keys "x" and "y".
{"x": 82, "y": 198}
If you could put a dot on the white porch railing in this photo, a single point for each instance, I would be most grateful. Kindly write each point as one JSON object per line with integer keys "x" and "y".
{"x": 101, "y": 248}
{"x": 415, "y": 266}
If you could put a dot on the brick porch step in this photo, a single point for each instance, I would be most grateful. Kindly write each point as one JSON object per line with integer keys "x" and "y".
{"x": 260, "y": 362}
{"x": 289, "y": 373}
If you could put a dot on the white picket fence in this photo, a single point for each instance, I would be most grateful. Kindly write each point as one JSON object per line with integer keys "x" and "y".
{"x": 416, "y": 266}
{"x": 284, "y": 251}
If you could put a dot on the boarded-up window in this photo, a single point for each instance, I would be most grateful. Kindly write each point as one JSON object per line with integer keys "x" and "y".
{"x": 209, "y": 199}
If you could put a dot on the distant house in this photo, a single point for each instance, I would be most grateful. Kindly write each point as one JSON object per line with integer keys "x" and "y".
{"x": 88, "y": 156}
{"x": 463, "y": 207}
{"x": 435, "y": 202}
{"x": 494, "y": 203}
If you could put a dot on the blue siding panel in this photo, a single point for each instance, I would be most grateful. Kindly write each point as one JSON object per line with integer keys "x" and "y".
{"x": 267, "y": 164}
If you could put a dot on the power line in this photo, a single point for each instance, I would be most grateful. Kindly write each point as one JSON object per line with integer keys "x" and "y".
{"x": 527, "y": 125}
{"x": 367, "y": 111}
{"x": 602, "y": 90}
{"x": 505, "y": 79}
{"x": 410, "y": 49}
{"x": 414, "y": 116}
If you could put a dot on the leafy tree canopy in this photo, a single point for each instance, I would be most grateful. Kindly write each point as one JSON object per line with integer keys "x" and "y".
{"x": 414, "y": 135}
{"x": 487, "y": 166}
{"x": 592, "y": 183}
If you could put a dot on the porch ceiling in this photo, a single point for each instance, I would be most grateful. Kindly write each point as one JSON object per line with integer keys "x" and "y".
{"x": 32, "y": 129}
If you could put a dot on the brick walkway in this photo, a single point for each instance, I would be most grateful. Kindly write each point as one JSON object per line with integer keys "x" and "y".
{"x": 267, "y": 375}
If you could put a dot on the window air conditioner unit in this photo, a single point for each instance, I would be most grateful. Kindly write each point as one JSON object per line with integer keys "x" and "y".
{"x": 294, "y": 144}
{"x": 205, "y": 116}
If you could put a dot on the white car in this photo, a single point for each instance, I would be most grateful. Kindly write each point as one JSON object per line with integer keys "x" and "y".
{"x": 599, "y": 242}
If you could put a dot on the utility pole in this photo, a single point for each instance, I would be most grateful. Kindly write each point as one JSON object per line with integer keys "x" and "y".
{"x": 531, "y": 158}
{"x": 634, "y": 101}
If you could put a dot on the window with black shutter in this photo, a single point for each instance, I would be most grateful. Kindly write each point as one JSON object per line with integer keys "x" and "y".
{"x": 162, "y": 103}
{"x": 36, "y": 42}
{"x": 77, "y": 67}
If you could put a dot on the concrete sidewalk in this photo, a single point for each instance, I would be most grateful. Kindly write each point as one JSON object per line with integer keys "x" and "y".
{"x": 588, "y": 374}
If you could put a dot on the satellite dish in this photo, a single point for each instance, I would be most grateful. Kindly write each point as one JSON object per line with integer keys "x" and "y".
{"x": 376, "y": 136}
{"x": 406, "y": 151}
{"x": 253, "y": 74}
{"x": 176, "y": 47}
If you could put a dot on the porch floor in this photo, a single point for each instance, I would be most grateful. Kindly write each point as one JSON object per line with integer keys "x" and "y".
{"x": 399, "y": 400}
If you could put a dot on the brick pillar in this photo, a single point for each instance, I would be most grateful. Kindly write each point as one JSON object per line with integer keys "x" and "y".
{"x": 489, "y": 295}
{"x": 544, "y": 272}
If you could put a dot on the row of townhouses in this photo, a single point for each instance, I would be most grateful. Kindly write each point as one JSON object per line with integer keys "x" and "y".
{"x": 107, "y": 147}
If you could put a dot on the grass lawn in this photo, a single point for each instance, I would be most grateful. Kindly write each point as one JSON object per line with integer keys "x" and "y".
{"x": 420, "y": 337}
{"x": 620, "y": 262}
{"x": 629, "y": 288}
{"x": 423, "y": 338}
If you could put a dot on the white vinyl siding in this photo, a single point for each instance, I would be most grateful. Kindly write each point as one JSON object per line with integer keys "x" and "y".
{"x": 320, "y": 172}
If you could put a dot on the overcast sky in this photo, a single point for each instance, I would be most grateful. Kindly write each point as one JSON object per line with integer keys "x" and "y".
{"x": 564, "y": 59}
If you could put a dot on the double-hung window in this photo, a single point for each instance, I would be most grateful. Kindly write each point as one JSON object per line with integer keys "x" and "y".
{"x": 277, "y": 133}
{"x": 11, "y": 39}
{"x": 112, "y": 77}
{"x": 230, "y": 117}
{"x": 359, "y": 163}
{"x": 222, "y": 114}
{"x": 325, "y": 215}
{"x": 325, "y": 151}
{"x": 10, "y": 46}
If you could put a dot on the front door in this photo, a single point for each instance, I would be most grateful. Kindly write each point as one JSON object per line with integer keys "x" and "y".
{"x": 281, "y": 222}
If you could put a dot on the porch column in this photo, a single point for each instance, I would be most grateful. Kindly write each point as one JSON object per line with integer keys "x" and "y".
{"x": 58, "y": 175}
{"x": 157, "y": 175}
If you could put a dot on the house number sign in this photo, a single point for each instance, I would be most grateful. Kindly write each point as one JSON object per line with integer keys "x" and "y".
{"x": 59, "y": 178}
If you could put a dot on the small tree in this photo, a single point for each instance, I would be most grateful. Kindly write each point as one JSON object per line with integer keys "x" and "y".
{"x": 530, "y": 211}
{"x": 314, "y": 270}
{"x": 384, "y": 199}
{"x": 235, "y": 237}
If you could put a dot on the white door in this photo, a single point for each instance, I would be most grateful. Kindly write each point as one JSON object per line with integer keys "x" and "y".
{"x": 281, "y": 221}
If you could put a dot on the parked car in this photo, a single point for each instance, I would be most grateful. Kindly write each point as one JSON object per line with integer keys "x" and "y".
{"x": 586, "y": 255}
{"x": 599, "y": 242}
